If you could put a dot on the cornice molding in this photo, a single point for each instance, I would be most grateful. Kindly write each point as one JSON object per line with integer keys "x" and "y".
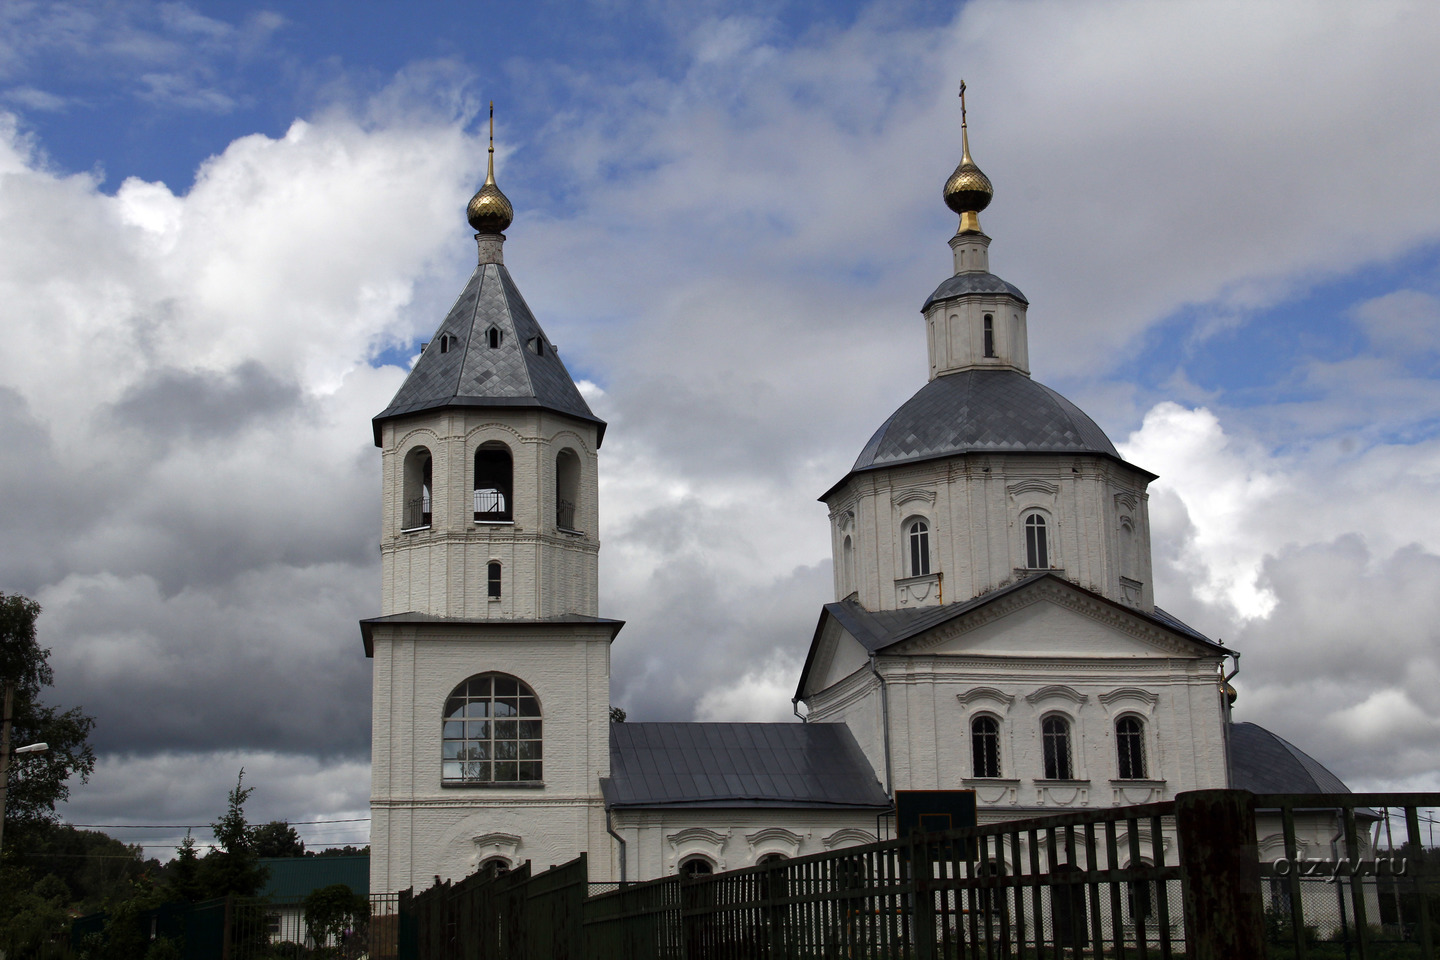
{"x": 698, "y": 835}
{"x": 1128, "y": 693}
{"x": 978, "y": 694}
{"x": 1057, "y": 691}
{"x": 1032, "y": 485}
{"x": 912, "y": 494}
{"x": 848, "y": 837}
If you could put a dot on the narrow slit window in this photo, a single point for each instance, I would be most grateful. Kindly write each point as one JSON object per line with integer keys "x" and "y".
{"x": 989, "y": 335}
{"x": 445, "y": 343}
{"x": 492, "y": 336}
{"x": 985, "y": 746}
{"x": 1037, "y": 546}
{"x": 492, "y": 580}
{"x": 919, "y": 549}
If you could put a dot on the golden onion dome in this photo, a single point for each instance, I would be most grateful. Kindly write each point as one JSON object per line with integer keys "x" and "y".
{"x": 968, "y": 191}
{"x": 489, "y": 210}
{"x": 1231, "y": 695}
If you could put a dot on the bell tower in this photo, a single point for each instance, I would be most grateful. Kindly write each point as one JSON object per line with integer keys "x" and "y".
{"x": 490, "y": 505}
{"x": 491, "y": 686}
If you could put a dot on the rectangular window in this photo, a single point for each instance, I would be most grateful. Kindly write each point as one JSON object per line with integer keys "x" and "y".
{"x": 989, "y": 335}
{"x": 1056, "y": 736}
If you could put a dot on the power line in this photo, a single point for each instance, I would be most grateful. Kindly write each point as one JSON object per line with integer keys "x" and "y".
{"x": 199, "y": 826}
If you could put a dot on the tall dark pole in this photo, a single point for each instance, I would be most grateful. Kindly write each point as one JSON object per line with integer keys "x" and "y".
{"x": 5, "y": 755}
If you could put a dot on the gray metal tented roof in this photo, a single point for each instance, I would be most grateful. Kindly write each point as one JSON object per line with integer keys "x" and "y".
{"x": 739, "y": 765}
{"x": 471, "y": 374}
{"x": 967, "y": 283}
{"x": 983, "y": 411}
{"x": 1262, "y": 762}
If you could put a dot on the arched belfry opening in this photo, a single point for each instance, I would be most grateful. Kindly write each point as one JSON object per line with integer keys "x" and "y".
{"x": 416, "y": 495}
{"x": 494, "y": 484}
{"x": 567, "y": 488}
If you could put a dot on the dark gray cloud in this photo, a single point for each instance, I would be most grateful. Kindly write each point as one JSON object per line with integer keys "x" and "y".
{"x": 186, "y": 405}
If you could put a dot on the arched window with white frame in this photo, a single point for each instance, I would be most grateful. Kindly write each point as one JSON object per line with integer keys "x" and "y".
{"x": 1055, "y": 740}
{"x": 492, "y": 732}
{"x": 847, "y": 567}
{"x": 985, "y": 746}
{"x": 1130, "y": 747}
{"x": 1037, "y": 542}
{"x": 917, "y": 541}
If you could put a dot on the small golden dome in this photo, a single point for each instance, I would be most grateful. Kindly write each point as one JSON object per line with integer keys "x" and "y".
{"x": 1230, "y": 693}
{"x": 968, "y": 191}
{"x": 489, "y": 210}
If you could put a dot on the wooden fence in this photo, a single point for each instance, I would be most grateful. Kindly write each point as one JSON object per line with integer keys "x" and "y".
{"x": 1183, "y": 878}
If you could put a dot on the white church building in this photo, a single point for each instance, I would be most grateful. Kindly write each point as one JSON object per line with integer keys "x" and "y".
{"x": 994, "y": 625}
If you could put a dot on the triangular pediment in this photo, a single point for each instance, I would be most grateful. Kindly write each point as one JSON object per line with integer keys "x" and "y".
{"x": 1049, "y": 619}
{"x": 835, "y": 655}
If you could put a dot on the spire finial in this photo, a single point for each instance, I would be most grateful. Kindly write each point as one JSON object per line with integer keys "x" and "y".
{"x": 968, "y": 191}
{"x": 490, "y": 211}
{"x": 490, "y": 172}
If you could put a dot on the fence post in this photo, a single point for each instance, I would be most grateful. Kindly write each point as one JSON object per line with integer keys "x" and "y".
{"x": 922, "y": 900}
{"x": 1220, "y": 875}
{"x": 225, "y": 943}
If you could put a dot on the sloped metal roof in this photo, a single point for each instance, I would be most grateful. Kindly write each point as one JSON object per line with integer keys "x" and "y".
{"x": 294, "y": 877}
{"x": 466, "y": 371}
{"x": 968, "y": 283}
{"x": 982, "y": 411}
{"x": 739, "y": 765}
{"x": 1262, "y": 762}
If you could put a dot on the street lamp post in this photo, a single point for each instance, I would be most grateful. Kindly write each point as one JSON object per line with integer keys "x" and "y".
{"x": 5, "y": 753}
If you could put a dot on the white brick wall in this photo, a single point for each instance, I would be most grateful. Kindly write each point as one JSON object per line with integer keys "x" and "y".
{"x": 421, "y": 827}
{"x": 939, "y": 682}
{"x": 974, "y": 507}
{"x": 442, "y": 570}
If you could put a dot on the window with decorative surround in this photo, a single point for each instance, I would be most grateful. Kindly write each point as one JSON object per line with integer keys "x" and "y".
{"x": 1037, "y": 543}
{"x": 985, "y": 746}
{"x": 917, "y": 533}
{"x": 1130, "y": 747}
{"x": 1055, "y": 737}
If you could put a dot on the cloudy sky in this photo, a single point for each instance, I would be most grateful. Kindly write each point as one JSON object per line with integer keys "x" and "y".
{"x": 225, "y": 228}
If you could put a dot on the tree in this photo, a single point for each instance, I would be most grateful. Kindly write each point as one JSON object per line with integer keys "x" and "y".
{"x": 234, "y": 868}
{"x": 182, "y": 875}
{"x": 37, "y": 782}
{"x": 278, "y": 839}
{"x": 617, "y": 715}
{"x": 332, "y": 910}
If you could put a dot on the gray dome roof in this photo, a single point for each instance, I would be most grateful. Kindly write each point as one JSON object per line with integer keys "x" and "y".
{"x": 963, "y": 283}
{"x": 1262, "y": 762}
{"x": 983, "y": 411}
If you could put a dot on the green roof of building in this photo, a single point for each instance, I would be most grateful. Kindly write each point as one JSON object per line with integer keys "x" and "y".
{"x": 296, "y": 877}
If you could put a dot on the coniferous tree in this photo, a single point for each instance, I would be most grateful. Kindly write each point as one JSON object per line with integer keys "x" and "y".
{"x": 234, "y": 867}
